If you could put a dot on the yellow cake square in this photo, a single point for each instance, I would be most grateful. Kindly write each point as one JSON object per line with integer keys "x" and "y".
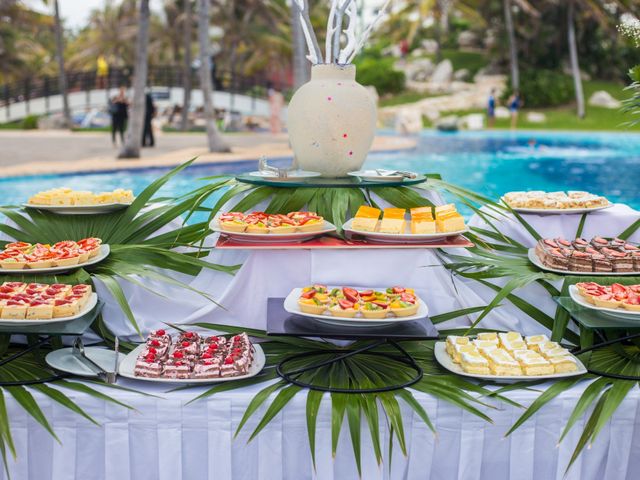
{"x": 564, "y": 364}
{"x": 393, "y": 221}
{"x": 366, "y": 219}
{"x": 488, "y": 337}
{"x": 473, "y": 362}
{"x": 533, "y": 363}
{"x": 451, "y": 222}
{"x": 422, "y": 220}
{"x": 501, "y": 363}
{"x": 445, "y": 209}
{"x": 453, "y": 340}
{"x": 534, "y": 341}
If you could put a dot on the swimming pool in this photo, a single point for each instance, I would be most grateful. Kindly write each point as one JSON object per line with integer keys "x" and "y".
{"x": 490, "y": 163}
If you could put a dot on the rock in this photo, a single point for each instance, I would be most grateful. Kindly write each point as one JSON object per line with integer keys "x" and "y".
{"x": 536, "y": 117}
{"x": 473, "y": 121}
{"x": 418, "y": 52}
{"x": 448, "y": 124}
{"x": 392, "y": 50}
{"x": 431, "y": 114}
{"x": 443, "y": 73}
{"x": 603, "y": 99}
{"x": 461, "y": 75}
{"x": 430, "y": 46}
{"x": 408, "y": 120}
{"x": 419, "y": 70}
{"x": 502, "y": 112}
{"x": 468, "y": 39}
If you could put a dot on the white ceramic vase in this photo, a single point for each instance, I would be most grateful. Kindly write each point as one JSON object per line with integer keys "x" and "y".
{"x": 331, "y": 121}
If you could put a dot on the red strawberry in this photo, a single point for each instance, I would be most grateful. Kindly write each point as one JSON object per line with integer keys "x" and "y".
{"x": 345, "y": 304}
{"x": 160, "y": 332}
{"x": 366, "y": 293}
{"x": 381, "y": 304}
{"x": 398, "y": 289}
{"x": 616, "y": 288}
{"x": 351, "y": 294}
{"x": 178, "y": 355}
{"x": 308, "y": 294}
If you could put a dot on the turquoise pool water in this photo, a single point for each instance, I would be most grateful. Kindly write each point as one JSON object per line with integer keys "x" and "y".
{"x": 488, "y": 162}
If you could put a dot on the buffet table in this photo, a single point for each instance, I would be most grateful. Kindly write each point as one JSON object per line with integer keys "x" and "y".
{"x": 165, "y": 439}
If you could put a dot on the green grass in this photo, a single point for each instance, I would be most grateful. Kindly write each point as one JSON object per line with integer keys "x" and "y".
{"x": 403, "y": 97}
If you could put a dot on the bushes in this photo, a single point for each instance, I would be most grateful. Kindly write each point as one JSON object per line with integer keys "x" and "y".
{"x": 543, "y": 88}
{"x": 380, "y": 73}
{"x": 29, "y": 122}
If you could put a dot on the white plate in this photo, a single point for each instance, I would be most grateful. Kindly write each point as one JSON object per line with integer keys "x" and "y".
{"x": 291, "y": 176}
{"x": 373, "y": 176}
{"x": 291, "y": 306}
{"x": 445, "y": 360}
{"x": 93, "y": 300}
{"x": 64, "y": 361}
{"x": 328, "y": 227}
{"x": 79, "y": 209}
{"x": 406, "y": 237}
{"x": 104, "y": 253}
{"x": 538, "y": 263}
{"x": 556, "y": 211}
{"x": 128, "y": 365}
{"x": 613, "y": 312}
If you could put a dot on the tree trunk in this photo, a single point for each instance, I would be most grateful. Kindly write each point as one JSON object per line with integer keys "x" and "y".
{"x": 62, "y": 77}
{"x": 216, "y": 143}
{"x": 513, "y": 47}
{"x": 133, "y": 141}
{"x": 186, "y": 102}
{"x": 301, "y": 67}
{"x": 437, "y": 29}
{"x": 575, "y": 66}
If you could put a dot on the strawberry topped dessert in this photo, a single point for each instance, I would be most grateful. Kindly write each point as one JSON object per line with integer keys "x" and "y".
{"x": 39, "y": 301}
{"x": 22, "y": 255}
{"x": 261, "y": 222}
{"x": 615, "y": 295}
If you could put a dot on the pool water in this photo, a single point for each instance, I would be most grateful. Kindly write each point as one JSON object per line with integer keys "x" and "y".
{"x": 490, "y": 163}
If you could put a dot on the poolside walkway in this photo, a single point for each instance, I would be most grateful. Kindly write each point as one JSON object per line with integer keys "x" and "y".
{"x": 44, "y": 152}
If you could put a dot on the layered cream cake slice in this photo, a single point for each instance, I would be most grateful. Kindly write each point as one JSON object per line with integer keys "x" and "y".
{"x": 393, "y": 221}
{"x": 458, "y": 350}
{"x": 366, "y": 219}
{"x": 533, "y": 363}
{"x": 65, "y": 308}
{"x": 15, "y": 309}
{"x": 555, "y": 352}
{"x": 474, "y": 363}
{"x": 484, "y": 346}
{"x": 534, "y": 341}
{"x": 40, "y": 309}
{"x": 506, "y": 340}
{"x": 563, "y": 364}
{"x": 544, "y": 347}
{"x": 453, "y": 340}
{"x": 501, "y": 363}
{"x": 488, "y": 337}
{"x": 422, "y": 220}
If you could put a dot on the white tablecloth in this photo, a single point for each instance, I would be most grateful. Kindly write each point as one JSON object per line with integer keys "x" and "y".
{"x": 164, "y": 439}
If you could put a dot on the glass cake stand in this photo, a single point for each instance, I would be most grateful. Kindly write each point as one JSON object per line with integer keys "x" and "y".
{"x": 604, "y": 326}
{"x": 320, "y": 182}
{"x": 45, "y": 333}
{"x": 282, "y": 323}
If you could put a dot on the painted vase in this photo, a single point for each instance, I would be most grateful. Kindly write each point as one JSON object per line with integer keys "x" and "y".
{"x": 331, "y": 121}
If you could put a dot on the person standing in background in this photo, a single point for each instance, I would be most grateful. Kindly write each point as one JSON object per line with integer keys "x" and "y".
{"x": 102, "y": 72}
{"x": 491, "y": 109}
{"x": 119, "y": 110}
{"x": 515, "y": 104}
{"x": 149, "y": 114}
{"x": 276, "y": 102}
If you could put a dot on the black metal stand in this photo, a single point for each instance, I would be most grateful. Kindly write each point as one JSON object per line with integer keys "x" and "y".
{"x": 403, "y": 357}
{"x": 607, "y": 343}
{"x": 21, "y": 353}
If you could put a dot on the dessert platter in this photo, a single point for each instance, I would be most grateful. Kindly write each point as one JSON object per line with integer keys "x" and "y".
{"x": 507, "y": 357}
{"x": 366, "y": 307}
{"x": 615, "y": 300}
{"x": 189, "y": 357}
{"x": 25, "y": 257}
{"x": 555, "y": 202}
{"x": 425, "y": 224}
{"x": 39, "y": 303}
{"x": 271, "y": 228}
{"x": 78, "y": 202}
{"x": 599, "y": 256}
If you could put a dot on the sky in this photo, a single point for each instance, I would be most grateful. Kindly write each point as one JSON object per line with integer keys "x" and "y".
{"x": 76, "y": 12}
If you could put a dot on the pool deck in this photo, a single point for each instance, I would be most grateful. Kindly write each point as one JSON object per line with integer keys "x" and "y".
{"x": 53, "y": 152}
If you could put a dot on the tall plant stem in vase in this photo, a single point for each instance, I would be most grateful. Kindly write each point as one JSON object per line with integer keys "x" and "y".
{"x": 215, "y": 141}
{"x": 133, "y": 141}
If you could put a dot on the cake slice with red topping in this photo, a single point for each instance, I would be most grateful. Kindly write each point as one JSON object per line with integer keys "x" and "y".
{"x": 177, "y": 366}
{"x": 148, "y": 366}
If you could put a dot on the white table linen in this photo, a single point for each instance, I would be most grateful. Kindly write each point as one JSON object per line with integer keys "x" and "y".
{"x": 165, "y": 439}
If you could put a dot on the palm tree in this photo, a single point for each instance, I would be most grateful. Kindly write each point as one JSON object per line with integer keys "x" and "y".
{"x": 62, "y": 77}
{"x": 573, "y": 56}
{"x": 186, "y": 69}
{"x": 132, "y": 144}
{"x": 215, "y": 141}
{"x": 513, "y": 47}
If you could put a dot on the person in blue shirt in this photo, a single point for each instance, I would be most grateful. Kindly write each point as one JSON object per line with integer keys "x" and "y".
{"x": 491, "y": 109}
{"x": 515, "y": 104}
